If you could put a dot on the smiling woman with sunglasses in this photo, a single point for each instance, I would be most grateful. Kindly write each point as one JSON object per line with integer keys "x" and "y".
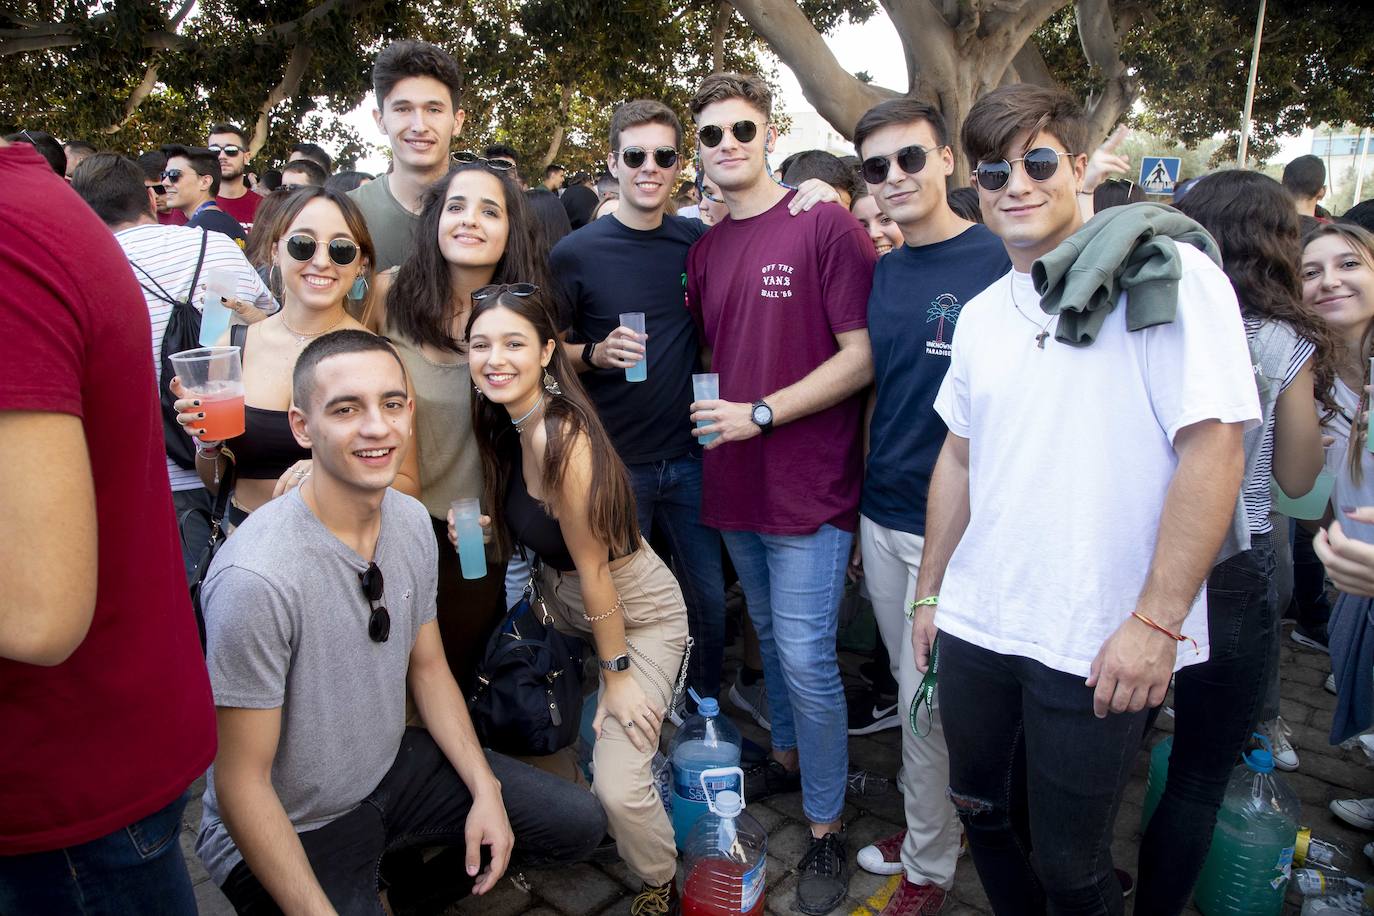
{"x": 321, "y": 249}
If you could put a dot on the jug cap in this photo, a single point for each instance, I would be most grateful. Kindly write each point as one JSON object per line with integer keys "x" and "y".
{"x": 1261, "y": 759}
{"x": 728, "y": 804}
{"x": 708, "y": 707}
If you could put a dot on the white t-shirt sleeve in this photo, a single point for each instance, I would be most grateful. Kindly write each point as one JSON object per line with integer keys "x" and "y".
{"x": 1198, "y": 366}
{"x": 225, "y": 252}
{"x": 952, "y": 400}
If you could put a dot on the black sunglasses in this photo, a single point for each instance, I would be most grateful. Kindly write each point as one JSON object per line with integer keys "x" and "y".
{"x": 665, "y": 157}
{"x": 1040, "y": 164}
{"x": 712, "y": 134}
{"x": 501, "y": 165}
{"x": 172, "y": 175}
{"x": 341, "y": 251}
{"x": 229, "y": 149}
{"x": 496, "y": 289}
{"x": 910, "y": 159}
{"x": 379, "y": 623}
{"x": 158, "y": 189}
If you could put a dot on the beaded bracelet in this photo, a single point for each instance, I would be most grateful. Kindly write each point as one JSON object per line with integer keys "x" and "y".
{"x": 618, "y": 606}
{"x": 1176, "y": 637}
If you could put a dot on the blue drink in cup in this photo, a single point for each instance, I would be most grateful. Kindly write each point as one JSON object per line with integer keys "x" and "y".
{"x": 706, "y": 387}
{"x": 472, "y": 553}
{"x": 640, "y": 370}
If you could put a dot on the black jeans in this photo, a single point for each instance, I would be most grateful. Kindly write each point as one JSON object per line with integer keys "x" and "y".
{"x": 422, "y": 802}
{"x": 1036, "y": 778}
{"x": 1215, "y": 704}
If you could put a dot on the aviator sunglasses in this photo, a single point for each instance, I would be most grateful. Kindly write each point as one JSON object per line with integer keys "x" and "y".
{"x": 1040, "y": 164}
{"x": 379, "y": 622}
{"x": 341, "y": 251}
{"x": 665, "y": 157}
{"x": 712, "y": 134}
{"x": 910, "y": 159}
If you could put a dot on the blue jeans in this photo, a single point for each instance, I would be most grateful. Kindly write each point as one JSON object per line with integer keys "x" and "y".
{"x": 136, "y": 869}
{"x": 793, "y": 584}
{"x": 669, "y": 493}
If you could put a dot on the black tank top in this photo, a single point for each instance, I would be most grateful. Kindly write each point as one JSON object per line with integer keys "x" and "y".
{"x": 531, "y": 526}
{"x": 267, "y": 448}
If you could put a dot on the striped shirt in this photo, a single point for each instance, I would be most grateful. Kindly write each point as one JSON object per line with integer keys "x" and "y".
{"x": 1257, "y": 496}
{"x": 169, "y": 255}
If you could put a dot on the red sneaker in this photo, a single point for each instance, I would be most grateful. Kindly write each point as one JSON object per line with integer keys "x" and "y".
{"x": 914, "y": 900}
{"x": 883, "y": 857}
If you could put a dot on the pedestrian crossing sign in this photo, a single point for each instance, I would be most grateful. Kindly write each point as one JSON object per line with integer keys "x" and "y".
{"x": 1159, "y": 174}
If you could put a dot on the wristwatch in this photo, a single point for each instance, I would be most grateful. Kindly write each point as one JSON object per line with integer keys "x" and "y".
{"x": 587, "y": 353}
{"x": 619, "y": 663}
{"x": 762, "y": 415}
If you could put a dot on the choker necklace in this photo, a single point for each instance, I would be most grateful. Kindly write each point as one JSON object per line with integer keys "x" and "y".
{"x": 1044, "y": 328}
{"x": 528, "y": 414}
{"x": 302, "y": 338}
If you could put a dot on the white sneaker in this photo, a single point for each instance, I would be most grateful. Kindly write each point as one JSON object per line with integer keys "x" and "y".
{"x": 1369, "y": 852}
{"x": 1352, "y": 902}
{"x": 1358, "y": 812}
{"x": 1367, "y": 745}
{"x": 1285, "y": 757}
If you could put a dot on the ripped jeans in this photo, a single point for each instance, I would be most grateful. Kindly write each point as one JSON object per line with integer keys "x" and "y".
{"x": 1036, "y": 779}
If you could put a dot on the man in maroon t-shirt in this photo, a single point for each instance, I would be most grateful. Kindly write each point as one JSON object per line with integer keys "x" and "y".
{"x": 782, "y": 304}
{"x": 234, "y": 197}
{"x": 105, "y": 706}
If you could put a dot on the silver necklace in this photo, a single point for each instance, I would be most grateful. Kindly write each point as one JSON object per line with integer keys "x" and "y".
{"x": 1044, "y": 328}
{"x": 529, "y": 413}
{"x": 302, "y": 338}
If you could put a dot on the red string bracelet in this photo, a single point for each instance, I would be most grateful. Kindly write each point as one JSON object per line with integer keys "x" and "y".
{"x": 1176, "y": 637}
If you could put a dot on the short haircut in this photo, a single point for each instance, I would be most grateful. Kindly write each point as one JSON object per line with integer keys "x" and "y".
{"x": 79, "y": 146}
{"x": 270, "y": 179}
{"x": 553, "y": 167}
{"x": 815, "y": 163}
{"x": 964, "y": 201}
{"x": 643, "y": 111}
{"x": 224, "y": 127}
{"x": 899, "y": 111}
{"x": 46, "y": 145}
{"x": 309, "y": 168}
{"x": 337, "y": 343}
{"x": 112, "y": 185}
{"x": 347, "y": 181}
{"x": 152, "y": 163}
{"x": 721, "y": 86}
{"x": 402, "y": 59}
{"x": 1000, "y": 116}
{"x": 1305, "y": 176}
{"x": 1116, "y": 192}
{"x": 607, "y": 185}
{"x": 1362, "y": 214}
{"x": 202, "y": 161}
{"x": 502, "y": 151}
{"x": 315, "y": 154}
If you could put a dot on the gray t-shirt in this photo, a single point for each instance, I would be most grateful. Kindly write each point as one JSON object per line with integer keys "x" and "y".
{"x": 286, "y": 624}
{"x": 391, "y": 225}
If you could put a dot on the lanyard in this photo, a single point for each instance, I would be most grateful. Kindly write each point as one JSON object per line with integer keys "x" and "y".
{"x": 925, "y": 695}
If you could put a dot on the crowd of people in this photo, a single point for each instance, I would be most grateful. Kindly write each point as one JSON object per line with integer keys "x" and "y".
{"x": 1041, "y": 419}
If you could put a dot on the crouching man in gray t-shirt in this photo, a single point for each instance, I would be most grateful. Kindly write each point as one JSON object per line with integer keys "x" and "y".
{"x": 319, "y": 611}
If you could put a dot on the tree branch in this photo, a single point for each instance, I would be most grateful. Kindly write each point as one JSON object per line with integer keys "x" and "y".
{"x": 1028, "y": 66}
{"x": 175, "y": 22}
{"x": 289, "y": 29}
{"x": 141, "y": 92}
{"x": 718, "y": 30}
{"x": 290, "y": 83}
{"x": 1097, "y": 33}
{"x": 559, "y": 129}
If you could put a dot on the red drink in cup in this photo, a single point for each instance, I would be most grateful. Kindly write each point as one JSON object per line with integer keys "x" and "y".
{"x": 214, "y": 376}
{"x": 223, "y": 415}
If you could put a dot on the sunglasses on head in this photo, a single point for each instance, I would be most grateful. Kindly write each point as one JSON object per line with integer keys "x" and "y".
{"x": 665, "y": 157}
{"x": 712, "y": 134}
{"x": 1040, "y": 164}
{"x": 379, "y": 622}
{"x": 910, "y": 159}
{"x": 172, "y": 175}
{"x": 228, "y": 149}
{"x": 341, "y": 251}
{"x": 501, "y": 165}
{"x": 522, "y": 290}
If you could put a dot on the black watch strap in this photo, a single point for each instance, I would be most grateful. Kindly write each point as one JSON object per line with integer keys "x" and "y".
{"x": 587, "y": 353}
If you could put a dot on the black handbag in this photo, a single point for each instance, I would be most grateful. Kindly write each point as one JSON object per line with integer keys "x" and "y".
{"x": 217, "y": 536}
{"x": 527, "y": 695}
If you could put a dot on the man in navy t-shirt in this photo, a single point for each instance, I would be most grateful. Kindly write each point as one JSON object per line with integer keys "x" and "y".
{"x": 192, "y": 181}
{"x": 918, "y": 290}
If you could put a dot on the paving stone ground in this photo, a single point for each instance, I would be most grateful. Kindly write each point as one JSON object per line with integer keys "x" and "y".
{"x": 1325, "y": 773}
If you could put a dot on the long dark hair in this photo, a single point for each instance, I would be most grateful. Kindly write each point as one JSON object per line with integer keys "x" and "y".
{"x": 567, "y": 418}
{"x": 420, "y": 304}
{"x": 1256, "y": 225}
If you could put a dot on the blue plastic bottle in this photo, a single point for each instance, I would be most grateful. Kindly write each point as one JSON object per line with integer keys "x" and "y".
{"x": 706, "y": 741}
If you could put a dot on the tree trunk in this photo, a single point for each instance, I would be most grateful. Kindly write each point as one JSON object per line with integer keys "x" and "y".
{"x": 288, "y": 87}
{"x": 718, "y": 32}
{"x": 556, "y": 141}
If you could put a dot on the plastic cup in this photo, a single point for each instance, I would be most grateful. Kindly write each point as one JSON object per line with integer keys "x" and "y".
{"x": 706, "y": 387}
{"x": 640, "y": 370}
{"x": 472, "y": 553}
{"x": 214, "y": 376}
{"x": 214, "y": 314}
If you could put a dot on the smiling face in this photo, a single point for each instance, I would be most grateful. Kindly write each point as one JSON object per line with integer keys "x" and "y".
{"x": 909, "y": 199}
{"x": 879, "y": 226}
{"x": 318, "y": 283}
{"x": 711, "y": 210}
{"x": 1032, "y": 217}
{"x": 188, "y": 189}
{"x": 731, "y": 165}
{"x": 419, "y": 120}
{"x": 1338, "y": 283}
{"x": 648, "y": 187}
{"x": 507, "y": 359}
{"x": 474, "y": 226}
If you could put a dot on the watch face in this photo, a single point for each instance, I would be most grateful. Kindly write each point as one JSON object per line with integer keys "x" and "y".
{"x": 763, "y": 414}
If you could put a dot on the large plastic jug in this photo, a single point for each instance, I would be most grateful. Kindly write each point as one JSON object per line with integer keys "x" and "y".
{"x": 726, "y": 853}
{"x": 706, "y": 741}
{"x": 1251, "y": 860}
{"x": 1154, "y": 782}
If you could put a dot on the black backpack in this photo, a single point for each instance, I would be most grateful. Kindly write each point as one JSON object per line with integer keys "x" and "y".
{"x": 182, "y": 333}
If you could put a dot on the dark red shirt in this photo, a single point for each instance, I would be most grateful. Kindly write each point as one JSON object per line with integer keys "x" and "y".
{"x": 770, "y": 293}
{"x": 125, "y": 724}
{"x": 241, "y": 208}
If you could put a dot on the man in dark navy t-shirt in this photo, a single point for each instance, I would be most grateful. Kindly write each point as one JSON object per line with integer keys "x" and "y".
{"x": 918, "y": 290}
{"x": 192, "y": 180}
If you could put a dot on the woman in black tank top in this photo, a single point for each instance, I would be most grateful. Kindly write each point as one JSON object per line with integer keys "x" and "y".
{"x": 554, "y": 483}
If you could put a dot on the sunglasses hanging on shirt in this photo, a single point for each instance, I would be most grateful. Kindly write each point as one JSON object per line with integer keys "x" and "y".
{"x": 379, "y": 622}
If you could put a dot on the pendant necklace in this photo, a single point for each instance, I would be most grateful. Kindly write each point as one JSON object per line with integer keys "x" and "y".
{"x": 516, "y": 423}
{"x": 1044, "y": 328}
{"x": 302, "y": 338}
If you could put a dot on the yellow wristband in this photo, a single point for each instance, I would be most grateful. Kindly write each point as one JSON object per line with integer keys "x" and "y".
{"x": 928, "y": 601}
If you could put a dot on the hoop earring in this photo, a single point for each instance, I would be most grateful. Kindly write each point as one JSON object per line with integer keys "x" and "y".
{"x": 551, "y": 383}
{"x": 358, "y": 291}
{"x": 274, "y": 285}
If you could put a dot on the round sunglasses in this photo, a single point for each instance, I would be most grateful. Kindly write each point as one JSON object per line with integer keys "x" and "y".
{"x": 496, "y": 289}
{"x": 500, "y": 165}
{"x": 1040, "y": 164}
{"x": 341, "y": 251}
{"x": 712, "y": 134}
{"x": 665, "y": 157}
{"x": 379, "y": 621}
{"x": 910, "y": 159}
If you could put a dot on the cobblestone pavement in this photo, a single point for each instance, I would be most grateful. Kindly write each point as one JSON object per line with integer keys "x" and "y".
{"x": 1325, "y": 773}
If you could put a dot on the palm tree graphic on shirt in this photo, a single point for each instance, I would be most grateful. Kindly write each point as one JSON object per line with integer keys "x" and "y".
{"x": 944, "y": 308}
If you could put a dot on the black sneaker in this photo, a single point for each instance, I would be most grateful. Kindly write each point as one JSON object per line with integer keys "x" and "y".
{"x": 872, "y": 712}
{"x": 822, "y": 875}
{"x": 769, "y": 778}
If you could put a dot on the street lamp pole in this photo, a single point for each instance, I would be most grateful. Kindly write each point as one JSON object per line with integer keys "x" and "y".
{"x": 1243, "y": 153}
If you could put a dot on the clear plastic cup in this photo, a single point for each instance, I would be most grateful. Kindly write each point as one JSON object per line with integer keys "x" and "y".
{"x": 706, "y": 387}
{"x": 640, "y": 370}
{"x": 214, "y": 376}
{"x": 472, "y": 553}
{"x": 220, "y": 284}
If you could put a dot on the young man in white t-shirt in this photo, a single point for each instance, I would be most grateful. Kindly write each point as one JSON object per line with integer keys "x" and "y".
{"x": 1077, "y": 505}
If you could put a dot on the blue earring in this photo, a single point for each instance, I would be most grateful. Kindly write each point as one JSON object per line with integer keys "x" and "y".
{"x": 359, "y": 289}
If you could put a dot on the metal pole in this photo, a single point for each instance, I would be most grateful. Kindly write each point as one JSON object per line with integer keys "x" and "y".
{"x": 1243, "y": 154}
{"x": 1359, "y": 169}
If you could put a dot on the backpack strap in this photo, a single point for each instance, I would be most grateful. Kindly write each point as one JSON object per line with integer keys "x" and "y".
{"x": 160, "y": 292}
{"x": 238, "y": 337}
